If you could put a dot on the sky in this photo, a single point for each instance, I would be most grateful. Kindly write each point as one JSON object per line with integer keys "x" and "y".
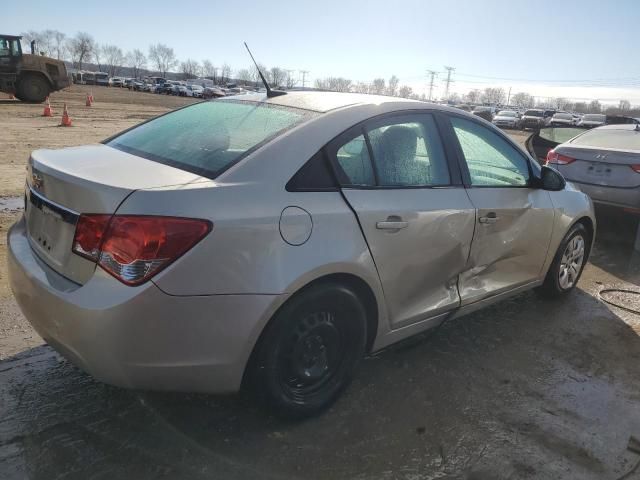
{"x": 580, "y": 49}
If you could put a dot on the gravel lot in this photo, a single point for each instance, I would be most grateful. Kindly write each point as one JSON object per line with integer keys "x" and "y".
{"x": 525, "y": 389}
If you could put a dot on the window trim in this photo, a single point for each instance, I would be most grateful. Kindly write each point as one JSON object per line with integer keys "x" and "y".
{"x": 363, "y": 127}
{"x": 462, "y": 161}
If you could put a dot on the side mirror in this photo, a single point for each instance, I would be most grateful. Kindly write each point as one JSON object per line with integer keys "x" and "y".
{"x": 552, "y": 179}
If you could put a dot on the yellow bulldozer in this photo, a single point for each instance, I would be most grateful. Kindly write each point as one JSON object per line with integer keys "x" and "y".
{"x": 30, "y": 77}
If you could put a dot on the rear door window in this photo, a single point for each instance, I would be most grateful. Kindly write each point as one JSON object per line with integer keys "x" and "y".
{"x": 209, "y": 137}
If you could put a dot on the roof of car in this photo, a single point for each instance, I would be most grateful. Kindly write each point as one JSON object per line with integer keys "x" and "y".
{"x": 320, "y": 101}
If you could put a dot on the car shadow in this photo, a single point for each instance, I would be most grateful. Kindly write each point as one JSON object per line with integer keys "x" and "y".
{"x": 614, "y": 248}
{"x": 527, "y": 388}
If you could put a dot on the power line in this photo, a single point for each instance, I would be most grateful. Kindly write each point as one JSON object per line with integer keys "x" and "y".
{"x": 448, "y": 81}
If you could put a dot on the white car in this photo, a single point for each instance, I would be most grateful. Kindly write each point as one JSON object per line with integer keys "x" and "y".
{"x": 194, "y": 91}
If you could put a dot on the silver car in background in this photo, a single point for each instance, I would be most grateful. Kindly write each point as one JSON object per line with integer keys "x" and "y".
{"x": 604, "y": 163}
{"x": 507, "y": 119}
{"x": 592, "y": 120}
{"x": 272, "y": 242}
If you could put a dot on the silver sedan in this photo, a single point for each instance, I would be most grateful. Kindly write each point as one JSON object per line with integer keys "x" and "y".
{"x": 604, "y": 163}
{"x": 273, "y": 242}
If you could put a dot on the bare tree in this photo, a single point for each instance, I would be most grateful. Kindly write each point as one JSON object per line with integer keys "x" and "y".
{"x": 190, "y": 69}
{"x": 59, "y": 46}
{"x": 392, "y": 87}
{"x": 473, "y": 96}
{"x": 560, "y": 103}
{"x": 278, "y": 76}
{"x": 581, "y": 107}
{"x": 405, "y": 91}
{"x": 625, "y": 105}
{"x": 595, "y": 107}
{"x": 163, "y": 58}
{"x": 80, "y": 48}
{"x": 290, "y": 80}
{"x": 334, "y": 84}
{"x": 208, "y": 70}
{"x": 378, "y": 86}
{"x": 113, "y": 58}
{"x": 362, "y": 87}
{"x": 493, "y": 95}
{"x": 255, "y": 74}
{"x": 225, "y": 73}
{"x": 454, "y": 98}
{"x": 98, "y": 55}
{"x": 136, "y": 60}
{"x": 523, "y": 100}
{"x": 244, "y": 75}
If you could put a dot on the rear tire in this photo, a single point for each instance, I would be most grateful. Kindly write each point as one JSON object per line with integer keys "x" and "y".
{"x": 33, "y": 88}
{"x": 568, "y": 263}
{"x": 308, "y": 353}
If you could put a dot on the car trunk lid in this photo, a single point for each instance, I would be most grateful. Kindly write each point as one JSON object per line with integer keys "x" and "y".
{"x": 597, "y": 166}
{"x": 62, "y": 184}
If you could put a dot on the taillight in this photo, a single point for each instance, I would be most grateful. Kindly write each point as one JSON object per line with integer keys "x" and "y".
{"x": 89, "y": 233}
{"x": 635, "y": 168}
{"x": 558, "y": 159}
{"x": 133, "y": 248}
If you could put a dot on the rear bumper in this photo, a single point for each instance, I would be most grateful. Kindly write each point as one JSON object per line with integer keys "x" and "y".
{"x": 615, "y": 197}
{"x": 138, "y": 337}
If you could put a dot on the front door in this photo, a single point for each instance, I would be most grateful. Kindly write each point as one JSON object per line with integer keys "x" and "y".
{"x": 416, "y": 218}
{"x": 513, "y": 220}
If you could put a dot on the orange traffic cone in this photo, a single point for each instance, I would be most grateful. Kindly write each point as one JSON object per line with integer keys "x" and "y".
{"x": 89, "y": 101}
{"x": 48, "y": 112}
{"x": 66, "y": 119}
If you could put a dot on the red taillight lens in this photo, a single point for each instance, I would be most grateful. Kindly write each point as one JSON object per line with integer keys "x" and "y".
{"x": 635, "y": 168}
{"x": 89, "y": 234}
{"x": 134, "y": 248}
{"x": 557, "y": 159}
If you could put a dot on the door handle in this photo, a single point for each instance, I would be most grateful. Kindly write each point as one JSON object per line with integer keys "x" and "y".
{"x": 392, "y": 225}
{"x": 491, "y": 217}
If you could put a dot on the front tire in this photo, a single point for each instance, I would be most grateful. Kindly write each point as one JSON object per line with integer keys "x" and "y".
{"x": 33, "y": 88}
{"x": 310, "y": 350}
{"x": 568, "y": 263}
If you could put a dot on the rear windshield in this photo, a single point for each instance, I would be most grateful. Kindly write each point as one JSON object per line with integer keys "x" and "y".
{"x": 533, "y": 113}
{"x": 209, "y": 137}
{"x": 609, "y": 138}
{"x": 563, "y": 116}
{"x": 507, "y": 113}
{"x": 594, "y": 118}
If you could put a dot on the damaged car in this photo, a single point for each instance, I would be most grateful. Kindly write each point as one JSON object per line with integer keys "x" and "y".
{"x": 270, "y": 242}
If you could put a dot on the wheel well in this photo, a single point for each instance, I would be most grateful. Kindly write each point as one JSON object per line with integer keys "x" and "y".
{"x": 588, "y": 224}
{"x": 27, "y": 73}
{"x": 364, "y": 293}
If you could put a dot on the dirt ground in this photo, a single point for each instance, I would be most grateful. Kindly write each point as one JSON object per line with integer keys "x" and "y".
{"x": 525, "y": 389}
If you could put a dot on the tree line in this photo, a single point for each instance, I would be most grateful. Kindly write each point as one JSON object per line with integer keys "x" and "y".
{"x": 82, "y": 50}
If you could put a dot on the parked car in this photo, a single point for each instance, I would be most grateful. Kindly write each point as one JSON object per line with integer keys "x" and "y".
{"x": 195, "y": 91}
{"x": 483, "y": 112}
{"x": 507, "y": 119}
{"x": 533, "y": 118}
{"x": 603, "y": 162}
{"x": 257, "y": 240}
{"x": 592, "y": 120}
{"x": 212, "y": 92}
{"x": 184, "y": 91}
{"x": 576, "y": 118}
{"x": 561, "y": 118}
{"x": 116, "y": 82}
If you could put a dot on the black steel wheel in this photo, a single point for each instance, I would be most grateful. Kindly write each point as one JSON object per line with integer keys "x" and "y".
{"x": 309, "y": 351}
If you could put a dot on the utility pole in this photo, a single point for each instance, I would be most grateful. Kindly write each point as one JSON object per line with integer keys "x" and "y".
{"x": 509, "y": 96}
{"x": 448, "y": 81}
{"x": 304, "y": 77}
{"x": 433, "y": 75}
